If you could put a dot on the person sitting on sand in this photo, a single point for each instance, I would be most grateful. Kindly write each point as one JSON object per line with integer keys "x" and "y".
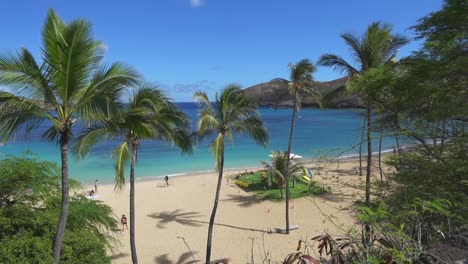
{"x": 91, "y": 193}
{"x": 123, "y": 220}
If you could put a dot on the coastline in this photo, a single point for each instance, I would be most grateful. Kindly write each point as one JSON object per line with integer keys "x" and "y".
{"x": 183, "y": 208}
{"x": 306, "y": 161}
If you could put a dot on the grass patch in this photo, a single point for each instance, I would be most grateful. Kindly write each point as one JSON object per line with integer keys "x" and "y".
{"x": 258, "y": 184}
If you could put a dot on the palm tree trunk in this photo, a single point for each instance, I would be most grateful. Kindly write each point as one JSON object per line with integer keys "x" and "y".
{"x": 293, "y": 120}
{"x": 132, "y": 205}
{"x": 360, "y": 146}
{"x": 64, "y": 140}
{"x": 367, "y": 233}
{"x": 369, "y": 152}
{"x": 213, "y": 212}
{"x": 380, "y": 153}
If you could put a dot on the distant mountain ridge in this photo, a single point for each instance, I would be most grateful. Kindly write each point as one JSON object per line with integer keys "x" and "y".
{"x": 275, "y": 94}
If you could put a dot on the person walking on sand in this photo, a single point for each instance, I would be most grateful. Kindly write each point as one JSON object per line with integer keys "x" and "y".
{"x": 123, "y": 220}
{"x": 95, "y": 186}
{"x": 166, "y": 179}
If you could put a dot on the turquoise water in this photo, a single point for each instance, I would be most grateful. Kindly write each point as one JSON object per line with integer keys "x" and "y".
{"x": 316, "y": 132}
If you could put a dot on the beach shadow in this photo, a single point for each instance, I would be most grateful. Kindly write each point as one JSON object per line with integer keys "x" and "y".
{"x": 176, "y": 216}
{"x": 185, "y": 258}
{"x": 187, "y": 219}
{"x": 162, "y": 260}
{"x": 344, "y": 172}
{"x": 118, "y": 256}
{"x": 243, "y": 201}
{"x": 221, "y": 261}
{"x": 337, "y": 197}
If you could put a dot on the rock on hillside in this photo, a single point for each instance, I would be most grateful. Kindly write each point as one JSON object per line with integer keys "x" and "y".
{"x": 275, "y": 94}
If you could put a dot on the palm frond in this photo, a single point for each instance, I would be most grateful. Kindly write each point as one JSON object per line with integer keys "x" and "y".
{"x": 201, "y": 98}
{"x": 337, "y": 63}
{"x": 90, "y": 137}
{"x": 21, "y": 71}
{"x": 121, "y": 155}
{"x": 19, "y": 112}
{"x": 72, "y": 54}
{"x": 253, "y": 126}
{"x": 102, "y": 97}
{"x": 217, "y": 148}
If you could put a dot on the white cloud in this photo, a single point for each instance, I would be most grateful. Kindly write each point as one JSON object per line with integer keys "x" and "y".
{"x": 196, "y": 3}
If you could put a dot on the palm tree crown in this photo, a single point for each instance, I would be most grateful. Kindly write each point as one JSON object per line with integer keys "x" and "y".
{"x": 232, "y": 112}
{"x": 70, "y": 82}
{"x": 148, "y": 115}
{"x": 300, "y": 80}
{"x": 376, "y": 47}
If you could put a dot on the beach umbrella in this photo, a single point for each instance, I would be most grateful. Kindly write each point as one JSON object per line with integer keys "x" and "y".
{"x": 291, "y": 156}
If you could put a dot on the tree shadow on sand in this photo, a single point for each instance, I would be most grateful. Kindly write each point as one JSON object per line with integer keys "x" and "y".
{"x": 187, "y": 219}
{"x": 337, "y": 197}
{"x": 185, "y": 258}
{"x": 119, "y": 255}
{"x": 242, "y": 200}
{"x": 176, "y": 216}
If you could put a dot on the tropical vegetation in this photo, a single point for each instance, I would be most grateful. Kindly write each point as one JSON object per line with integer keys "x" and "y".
{"x": 231, "y": 112}
{"x": 30, "y": 198}
{"x": 68, "y": 84}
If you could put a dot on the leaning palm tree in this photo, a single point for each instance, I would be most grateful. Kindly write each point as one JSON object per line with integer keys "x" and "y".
{"x": 70, "y": 83}
{"x": 301, "y": 79}
{"x": 149, "y": 115}
{"x": 278, "y": 168}
{"x": 232, "y": 112}
{"x": 377, "y": 47}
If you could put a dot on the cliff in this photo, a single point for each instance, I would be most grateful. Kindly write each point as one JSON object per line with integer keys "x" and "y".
{"x": 275, "y": 94}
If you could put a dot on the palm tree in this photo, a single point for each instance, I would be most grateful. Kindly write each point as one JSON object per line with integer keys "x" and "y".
{"x": 68, "y": 85}
{"x": 377, "y": 47}
{"x": 149, "y": 115}
{"x": 232, "y": 112}
{"x": 301, "y": 79}
{"x": 278, "y": 168}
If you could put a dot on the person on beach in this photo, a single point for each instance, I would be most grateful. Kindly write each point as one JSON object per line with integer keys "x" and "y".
{"x": 123, "y": 220}
{"x": 95, "y": 186}
{"x": 166, "y": 179}
{"x": 91, "y": 193}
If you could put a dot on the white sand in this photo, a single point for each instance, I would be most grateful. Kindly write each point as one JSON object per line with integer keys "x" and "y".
{"x": 183, "y": 210}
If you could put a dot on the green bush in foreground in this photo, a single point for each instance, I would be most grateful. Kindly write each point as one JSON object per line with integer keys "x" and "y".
{"x": 29, "y": 211}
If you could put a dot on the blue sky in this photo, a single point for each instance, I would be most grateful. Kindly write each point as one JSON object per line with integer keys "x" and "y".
{"x": 188, "y": 45}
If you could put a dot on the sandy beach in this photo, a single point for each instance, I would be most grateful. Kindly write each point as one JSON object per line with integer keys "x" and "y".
{"x": 164, "y": 215}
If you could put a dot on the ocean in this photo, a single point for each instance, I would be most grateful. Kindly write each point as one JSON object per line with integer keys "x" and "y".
{"x": 317, "y": 133}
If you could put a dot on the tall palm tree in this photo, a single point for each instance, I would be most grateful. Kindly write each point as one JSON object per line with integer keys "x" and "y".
{"x": 232, "y": 112}
{"x": 300, "y": 79}
{"x": 278, "y": 168}
{"x": 69, "y": 84}
{"x": 149, "y": 115}
{"x": 377, "y": 47}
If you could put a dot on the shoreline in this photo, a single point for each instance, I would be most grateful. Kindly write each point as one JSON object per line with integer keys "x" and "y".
{"x": 306, "y": 161}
